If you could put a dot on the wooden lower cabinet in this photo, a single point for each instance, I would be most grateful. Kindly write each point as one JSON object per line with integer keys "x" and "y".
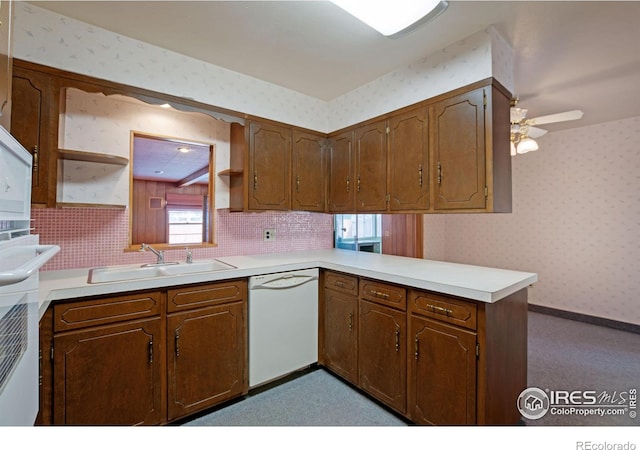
{"x": 205, "y": 358}
{"x": 110, "y": 375}
{"x": 340, "y": 340}
{"x": 435, "y": 359}
{"x": 442, "y": 373}
{"x": 144, "y": 358}
{"x": 382, "y": 354}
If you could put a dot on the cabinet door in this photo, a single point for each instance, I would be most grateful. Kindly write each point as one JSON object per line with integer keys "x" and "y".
{"x": 409, "y": 161}
{"x": 309, "y": 169}
{"x": 342, "y": 186}
{"x": 382, "y": 354}
{"x": 458, "y": 141}
{"x": 341, "y": 334}
{"x": 206, "y": 357}
{"x": 34, "y": 123}
{"x": 269, "y": 175}
{"x": 371, "y": 167}
{"x": 110, "y": 375}
{"x": 442, "y": 379}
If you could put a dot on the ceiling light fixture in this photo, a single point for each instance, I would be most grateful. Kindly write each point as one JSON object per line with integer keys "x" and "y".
{"x": 393, "y": 17}
{"x": 184, "y": 149}
{"x": 520, "y": 140}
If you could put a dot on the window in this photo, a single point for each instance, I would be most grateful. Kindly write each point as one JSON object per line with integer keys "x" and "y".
{"x": 358, "y": 231}
{"x": 185, "y": 217}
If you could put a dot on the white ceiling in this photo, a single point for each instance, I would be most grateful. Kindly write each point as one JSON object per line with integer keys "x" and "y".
{"x": 158, "y": 159}
{"x": 568, "y": 55}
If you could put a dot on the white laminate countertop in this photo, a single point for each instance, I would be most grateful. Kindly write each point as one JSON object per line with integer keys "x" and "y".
{"x": 473, "y": 282}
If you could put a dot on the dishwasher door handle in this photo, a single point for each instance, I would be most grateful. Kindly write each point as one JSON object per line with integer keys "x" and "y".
{"x": 284, "y": 282}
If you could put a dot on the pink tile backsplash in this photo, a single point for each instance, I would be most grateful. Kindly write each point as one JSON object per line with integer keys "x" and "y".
{"x": 90, "y": 237}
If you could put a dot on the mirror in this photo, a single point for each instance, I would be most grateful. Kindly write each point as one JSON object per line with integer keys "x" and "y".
{"x": 168, "y": 209}
{"x": 170, "y": 190}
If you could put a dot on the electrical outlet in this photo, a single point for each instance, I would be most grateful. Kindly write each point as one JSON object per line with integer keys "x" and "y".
{"x": 269, "y": 234}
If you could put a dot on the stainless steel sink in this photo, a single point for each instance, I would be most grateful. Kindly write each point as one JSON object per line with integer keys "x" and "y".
{"x": 137, "y": 272}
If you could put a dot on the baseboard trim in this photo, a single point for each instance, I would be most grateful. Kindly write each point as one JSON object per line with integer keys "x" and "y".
{"x": 609, "y": 323}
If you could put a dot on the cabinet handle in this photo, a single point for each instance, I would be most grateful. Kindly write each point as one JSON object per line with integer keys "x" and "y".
{"x": 439, "y": 173}
{"x": 339, "y": 283}
{"x": 358, "y": 184}
{"x": 177, "y": 338}
{"x": 255, "y": 180}
{"x": 379, "y": 294}
{"x": 151, "y": 350}
{"x": 36, "y": 159}
{"x": 297, "y": 184}
{"x": 350, "y": 322}
{"x": 439, "y": 309}
{"x": 416, "y": 353}
{"x": 397, "y": 339}
{"x": 420, "y": 174}
{"x": 348, "y": 184}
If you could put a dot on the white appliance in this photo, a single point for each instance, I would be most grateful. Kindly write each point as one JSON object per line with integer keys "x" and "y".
{"x": 283, "y": 324}
{"x": 20, "y": 259}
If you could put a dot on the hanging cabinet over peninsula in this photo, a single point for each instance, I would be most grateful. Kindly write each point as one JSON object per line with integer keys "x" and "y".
{"x": 446, "y": 154}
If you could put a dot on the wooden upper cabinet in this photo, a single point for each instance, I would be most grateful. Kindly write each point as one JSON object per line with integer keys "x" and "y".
{"x": 458, "y": 142}
{"x": 342, "y": 186}
{"x": 371, "y": 167}
{"x": 309, "y": 172}
{"x": 409, "y": 161}
{"x": 269, "y": 174}
{"x": 34, "y": 123}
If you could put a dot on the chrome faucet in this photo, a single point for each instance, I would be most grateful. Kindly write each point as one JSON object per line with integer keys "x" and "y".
{"x": 158, "y": 253}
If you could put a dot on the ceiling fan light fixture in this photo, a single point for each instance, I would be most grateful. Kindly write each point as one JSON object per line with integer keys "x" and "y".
{"x": 393, "y": 17}
{"x": 526, "y": 145}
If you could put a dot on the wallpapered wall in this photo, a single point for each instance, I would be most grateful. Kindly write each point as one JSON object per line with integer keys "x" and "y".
{"x": 575, "y": 222}
{"x": 48, "y": 38}
{"x": 54, "y": 40}
{"x": 95, "y": 123}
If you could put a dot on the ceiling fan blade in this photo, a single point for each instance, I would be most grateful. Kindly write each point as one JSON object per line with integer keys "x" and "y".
{"x": 535, "y": 132}
{"x": 559, "y": 117}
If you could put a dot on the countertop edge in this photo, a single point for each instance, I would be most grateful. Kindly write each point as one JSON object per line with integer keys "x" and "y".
{"x": 72, "y": 283}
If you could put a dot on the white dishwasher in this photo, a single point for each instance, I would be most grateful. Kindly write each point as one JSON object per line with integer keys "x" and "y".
{"x": 283, "y": 324}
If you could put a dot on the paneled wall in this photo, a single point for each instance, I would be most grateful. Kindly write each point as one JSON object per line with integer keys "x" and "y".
{"x": 575, "y": 222}
{"x": 151, "y": 222}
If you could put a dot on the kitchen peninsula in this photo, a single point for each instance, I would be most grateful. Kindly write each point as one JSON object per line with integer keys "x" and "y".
{"x": 456, "y": 350}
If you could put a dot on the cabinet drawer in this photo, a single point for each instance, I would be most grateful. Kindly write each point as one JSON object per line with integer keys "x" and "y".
{"x": 341, "y": 282}
{"x": 207, "y": 295}
{"x": 87, "y": 313}
{"x": 384, "y": 294}
{"x": 443, "y": 308}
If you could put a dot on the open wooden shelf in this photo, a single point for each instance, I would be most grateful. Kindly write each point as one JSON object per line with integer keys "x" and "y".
{"x": 104, "y": 158}
{"x": 89, "y": 205}
{"x": 230, "y": 172}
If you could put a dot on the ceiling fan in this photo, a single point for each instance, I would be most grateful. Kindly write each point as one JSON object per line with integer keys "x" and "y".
{"x": 523, "y": 131}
